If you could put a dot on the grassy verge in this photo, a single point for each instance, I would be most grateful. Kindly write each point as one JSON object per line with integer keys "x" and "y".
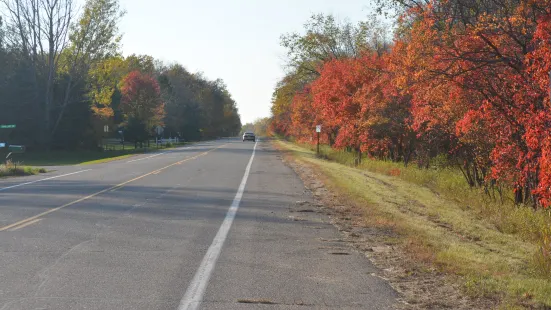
{"x": 10, "y": 169}
{"x": 108, "y": 159}
{"x": 64, "y": 158}
{"x": 132, "y": 147}
{"x": 494, "y": 248}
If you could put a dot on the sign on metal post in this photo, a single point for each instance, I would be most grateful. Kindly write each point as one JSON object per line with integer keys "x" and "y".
{"x": 106, "y": 128}
{"x": 16, "y": 148}
{"x": 318, "y": 130}
{"x": 159, "y": 130}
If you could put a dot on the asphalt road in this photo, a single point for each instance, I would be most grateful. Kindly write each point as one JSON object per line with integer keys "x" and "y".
{"x": 203, "y": 227}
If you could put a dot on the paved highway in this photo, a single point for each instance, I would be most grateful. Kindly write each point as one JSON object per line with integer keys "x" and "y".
{"x": 202, "y": 227}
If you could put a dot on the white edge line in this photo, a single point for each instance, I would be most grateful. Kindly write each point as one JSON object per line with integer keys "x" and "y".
{"x": 184, "y": 147}
{"x": 131, "y": 161}
{"x": 41, "y": 180}
{"x": 179, "y": 148}
{"x": 196, "y": 289}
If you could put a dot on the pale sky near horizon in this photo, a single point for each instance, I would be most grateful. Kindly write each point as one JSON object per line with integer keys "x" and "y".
{"x": 237, "y": 40}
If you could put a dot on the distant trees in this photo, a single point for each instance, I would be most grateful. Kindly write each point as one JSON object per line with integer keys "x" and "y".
{"x": 260, "y": 126}
{"x": 195, "y": 107}
{"x": 61, "y": 79}
{"x": 465, "y": 80}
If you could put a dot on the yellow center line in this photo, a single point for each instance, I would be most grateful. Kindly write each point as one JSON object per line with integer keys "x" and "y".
{"x": 26, "y": 224}
{"x": 32, "y": 218}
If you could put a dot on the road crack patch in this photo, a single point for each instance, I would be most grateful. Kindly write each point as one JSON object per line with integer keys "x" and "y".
{"x": 256, "y": 301}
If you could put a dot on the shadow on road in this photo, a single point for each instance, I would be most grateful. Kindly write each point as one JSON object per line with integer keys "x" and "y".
{"x": 174, "y": 203}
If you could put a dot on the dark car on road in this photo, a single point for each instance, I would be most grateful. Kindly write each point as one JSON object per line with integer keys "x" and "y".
{"x": 249, "y": 136}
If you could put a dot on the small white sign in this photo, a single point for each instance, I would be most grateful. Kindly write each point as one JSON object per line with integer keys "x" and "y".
{"x": 106, "y": 128}
{"x": 318, "y": 128}
{"x": 159, "y": 130}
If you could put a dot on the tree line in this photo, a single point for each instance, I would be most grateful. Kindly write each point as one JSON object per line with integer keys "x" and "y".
{"x": 63, "y": 79}
{"x": 259, "y": 127}
{"x": 465, "y": 80}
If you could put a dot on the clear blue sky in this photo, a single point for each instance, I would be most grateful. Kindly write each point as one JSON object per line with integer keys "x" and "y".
{"x": 237, "y": 40}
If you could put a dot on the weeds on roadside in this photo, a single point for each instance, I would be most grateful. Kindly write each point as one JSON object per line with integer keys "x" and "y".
{"x": 529, "y": 224}
{"x": 9, "y": 168}
{"x": 542, "y": 258}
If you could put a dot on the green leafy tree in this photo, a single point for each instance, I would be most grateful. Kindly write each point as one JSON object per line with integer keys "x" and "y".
{"x": 103, "y": 80}
{"x": 142, "y": 63}
{"x": 93, "y": 39}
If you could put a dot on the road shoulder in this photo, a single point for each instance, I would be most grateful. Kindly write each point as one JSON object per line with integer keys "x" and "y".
{"x": 284, "y": 253}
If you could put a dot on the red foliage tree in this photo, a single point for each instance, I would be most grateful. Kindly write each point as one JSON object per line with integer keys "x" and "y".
{"x": 334, "y": 98}
{"x": 468, "y": 80}
{"x": 141, "y": 104}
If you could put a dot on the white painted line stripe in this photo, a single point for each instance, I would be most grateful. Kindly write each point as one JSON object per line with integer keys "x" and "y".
{"x": 131, "y": 161}
{"x": 196, "y": 289}
{"x": 41, "y": 180}
{"x": 179, "y": 148}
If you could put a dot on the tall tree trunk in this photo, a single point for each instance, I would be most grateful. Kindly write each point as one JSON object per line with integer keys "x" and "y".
{"x": 63, "y": 106}
{"x": 48, "y": 100}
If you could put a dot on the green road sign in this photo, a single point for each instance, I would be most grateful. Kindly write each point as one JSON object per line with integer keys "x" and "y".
{"x": 16, "y": 148}
{"x": 7, "y": 126}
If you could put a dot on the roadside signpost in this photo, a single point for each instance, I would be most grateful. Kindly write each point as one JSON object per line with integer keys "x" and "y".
{"x": 6, "y": 145}
{"x": 318, "y": 130}
{"x": 159, "y": 131}
{"x": 16, "y": 148}
{"x": 121, "y": 133}
{"x": 6, "y": 134}
{"x": 105, "y": 130}
{"x": 12, "y": 149}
